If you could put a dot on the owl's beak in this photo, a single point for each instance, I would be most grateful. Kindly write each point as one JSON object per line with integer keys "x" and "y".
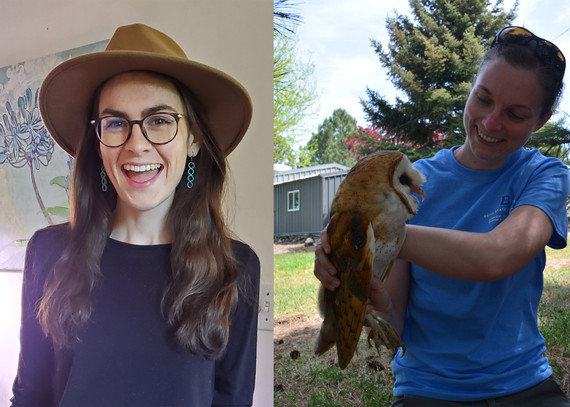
{"x": 419, "y": 191}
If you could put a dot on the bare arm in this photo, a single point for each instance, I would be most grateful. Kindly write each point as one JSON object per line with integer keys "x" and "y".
{"x": 480, "y": 256}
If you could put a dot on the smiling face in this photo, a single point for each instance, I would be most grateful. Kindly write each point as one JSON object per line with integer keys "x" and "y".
{"x": 145, "y": 175}
{"x": 501, "y": 113}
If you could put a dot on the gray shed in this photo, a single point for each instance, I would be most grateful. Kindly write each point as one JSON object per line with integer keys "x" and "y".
{"x": 302, "y": 198}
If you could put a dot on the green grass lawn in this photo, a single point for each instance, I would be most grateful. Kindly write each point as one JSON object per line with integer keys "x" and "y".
{"x": 294, "y": 285}
{"x": 310, "y": 381}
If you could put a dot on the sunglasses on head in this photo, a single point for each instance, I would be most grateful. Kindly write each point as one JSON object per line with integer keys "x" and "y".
{"x": 546, "y": 51}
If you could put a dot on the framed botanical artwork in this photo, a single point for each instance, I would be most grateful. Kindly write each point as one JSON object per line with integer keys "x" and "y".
{"x": 34, "y": 171}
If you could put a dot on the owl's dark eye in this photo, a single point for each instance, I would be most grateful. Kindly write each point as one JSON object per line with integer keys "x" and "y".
{"x": 405, "y": 180}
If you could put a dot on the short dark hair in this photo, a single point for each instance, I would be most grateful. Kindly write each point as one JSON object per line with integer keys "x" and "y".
{"x": 524, "y": 56}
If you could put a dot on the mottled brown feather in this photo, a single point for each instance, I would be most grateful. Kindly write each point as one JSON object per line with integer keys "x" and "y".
{"x": 350, "y": 235}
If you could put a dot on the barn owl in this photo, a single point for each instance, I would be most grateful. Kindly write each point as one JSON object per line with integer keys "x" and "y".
{"x": 366, "y": 231}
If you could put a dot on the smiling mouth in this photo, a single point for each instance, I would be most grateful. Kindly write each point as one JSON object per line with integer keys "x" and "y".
{"x": 487, "y": 138}
{"x": 141, "y": 173}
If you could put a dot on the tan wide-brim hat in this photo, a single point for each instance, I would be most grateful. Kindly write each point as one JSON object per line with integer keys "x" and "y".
{"x": 66, "y": 93}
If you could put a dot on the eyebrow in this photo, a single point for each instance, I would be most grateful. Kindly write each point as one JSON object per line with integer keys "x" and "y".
{"x": 145, "y": 112}
{"x": 484, "y": 89}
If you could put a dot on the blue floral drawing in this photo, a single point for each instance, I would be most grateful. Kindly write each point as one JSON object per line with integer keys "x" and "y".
{"x": 25, "y": 142}
{"x": 35, "y": 174}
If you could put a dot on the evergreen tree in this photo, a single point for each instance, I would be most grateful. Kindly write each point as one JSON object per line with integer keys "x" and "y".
{"x": 328, "y": 143}
{"x": 433, "y": 60}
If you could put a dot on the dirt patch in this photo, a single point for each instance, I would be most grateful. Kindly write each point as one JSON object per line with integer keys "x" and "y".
{"x": 552, "y": 264}
{"x": 294, "y": 330}
{"x": 282, "y": 248}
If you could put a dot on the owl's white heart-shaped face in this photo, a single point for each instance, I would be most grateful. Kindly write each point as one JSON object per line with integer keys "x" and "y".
{"x": 405, "y": 180}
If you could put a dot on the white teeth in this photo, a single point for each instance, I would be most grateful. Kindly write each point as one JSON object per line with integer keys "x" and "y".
{"x": 141, "y": 168}
{"x": 487, "y": 138}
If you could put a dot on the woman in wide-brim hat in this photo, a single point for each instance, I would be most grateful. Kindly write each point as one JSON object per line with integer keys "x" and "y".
{"x": 142, "y": 298}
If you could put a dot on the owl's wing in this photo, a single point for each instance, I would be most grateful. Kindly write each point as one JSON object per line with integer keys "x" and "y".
{"x": 351, "y": 237}
{"x": 389, "y": 235}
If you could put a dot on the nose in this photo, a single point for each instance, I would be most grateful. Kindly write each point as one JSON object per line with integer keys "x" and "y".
{"x": 137, "y": 142}
{"x": 492, "y": 121}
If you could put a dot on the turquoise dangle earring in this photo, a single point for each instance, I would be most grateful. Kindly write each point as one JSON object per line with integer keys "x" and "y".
{"x": 104, "y": 179}
{"x": 190, "y": 177}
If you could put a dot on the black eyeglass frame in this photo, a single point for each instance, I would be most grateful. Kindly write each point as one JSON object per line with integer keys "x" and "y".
{"x": 96, "y": 123}
{"x": 545, "y": 50}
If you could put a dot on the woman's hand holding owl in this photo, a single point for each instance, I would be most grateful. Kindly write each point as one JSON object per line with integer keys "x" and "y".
{"x": 324, "y": 269}
{"x": 379, "y": 298}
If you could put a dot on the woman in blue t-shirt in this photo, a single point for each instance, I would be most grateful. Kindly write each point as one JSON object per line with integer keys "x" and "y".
{"x": 465, "y": 289}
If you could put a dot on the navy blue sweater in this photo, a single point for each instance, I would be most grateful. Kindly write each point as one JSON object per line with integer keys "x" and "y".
{"x": 126, "y": 355}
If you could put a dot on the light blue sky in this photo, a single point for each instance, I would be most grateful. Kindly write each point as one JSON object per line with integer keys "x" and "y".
{"x": 335, "y": 36}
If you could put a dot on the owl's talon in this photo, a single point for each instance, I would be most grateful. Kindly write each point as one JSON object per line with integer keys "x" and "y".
{"x": 383, "y": 334}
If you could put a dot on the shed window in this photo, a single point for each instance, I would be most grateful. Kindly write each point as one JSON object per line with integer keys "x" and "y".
{"x": 293, "y": 201}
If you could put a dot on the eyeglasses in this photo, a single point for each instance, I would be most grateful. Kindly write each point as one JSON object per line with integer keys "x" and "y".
{"x": 546, "y": 51}
{"x": 158, "y": 128}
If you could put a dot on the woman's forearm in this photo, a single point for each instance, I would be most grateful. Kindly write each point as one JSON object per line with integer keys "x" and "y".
{"x": 480, "y": 256}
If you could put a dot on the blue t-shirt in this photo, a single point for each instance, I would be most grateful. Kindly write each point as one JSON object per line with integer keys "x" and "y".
{"x": 467, "y": 340}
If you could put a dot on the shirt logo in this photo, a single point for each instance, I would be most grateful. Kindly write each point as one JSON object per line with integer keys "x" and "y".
{"x": 497, "y": 215}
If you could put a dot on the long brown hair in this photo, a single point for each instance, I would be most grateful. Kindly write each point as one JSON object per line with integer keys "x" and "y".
{"x": 201, "y": 291}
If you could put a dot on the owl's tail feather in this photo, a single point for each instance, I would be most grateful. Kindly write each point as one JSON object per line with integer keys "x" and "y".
{"x": 325, "y": 340}
{"x": 327, "y": 335}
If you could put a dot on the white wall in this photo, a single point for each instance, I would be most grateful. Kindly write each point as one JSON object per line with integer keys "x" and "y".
{"x": 10, "y": 286}
{"x": 232, "y": 35}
